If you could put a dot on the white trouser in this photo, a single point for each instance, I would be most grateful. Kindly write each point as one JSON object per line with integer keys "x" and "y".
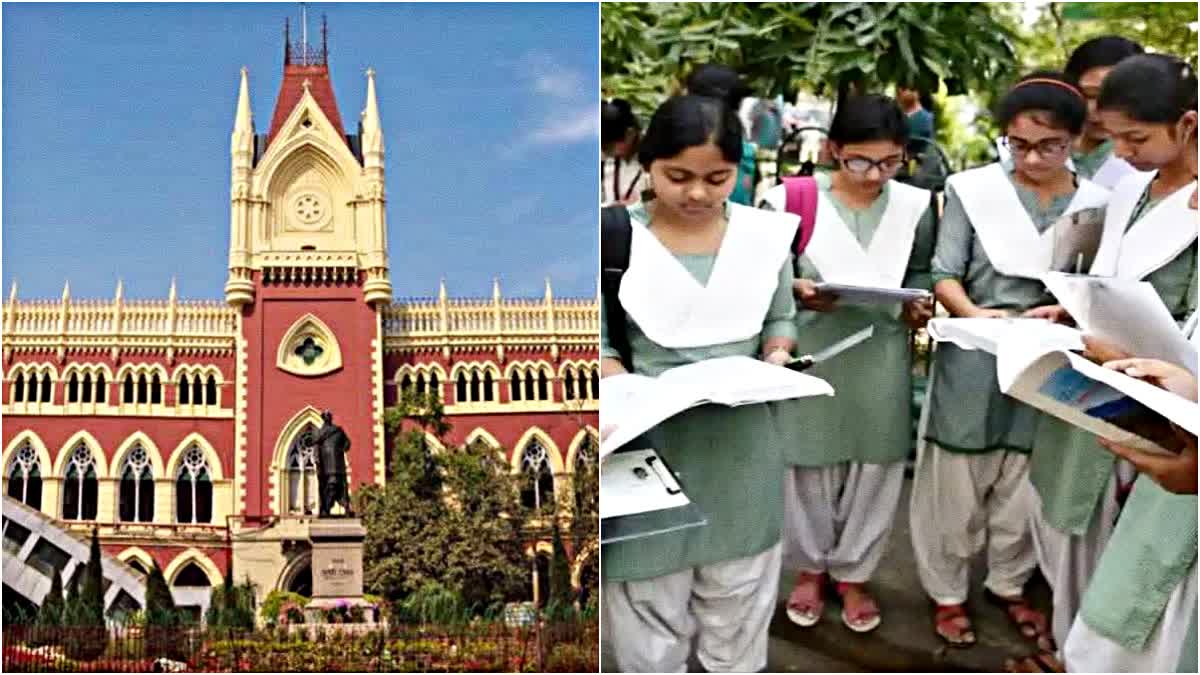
{"x": 1087, "y": 651}
{"x": 726, "y": 606}
{"x": 837, "y": 517}
{"x": 960, "y": 502}
{"x": 1069, "y": 560}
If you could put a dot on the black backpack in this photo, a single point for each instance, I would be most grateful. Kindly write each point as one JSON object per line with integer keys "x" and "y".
{"x": 616, "y": 237}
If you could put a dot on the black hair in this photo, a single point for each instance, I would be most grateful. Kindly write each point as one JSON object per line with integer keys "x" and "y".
{"x": 1101, "y": 52}
{"x": 718, "y": 81}
{"x": 1154, "y": 88}
{"x": 870, "y": 117}
{"x": 1057, "y": 97}
{"x": 682, "y": 122}
{"x": 616, "y": 118}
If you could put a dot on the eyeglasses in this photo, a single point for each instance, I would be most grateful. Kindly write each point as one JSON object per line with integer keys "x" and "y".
{"x": 861, "y": 165}
{"x": 1052, "y": 147}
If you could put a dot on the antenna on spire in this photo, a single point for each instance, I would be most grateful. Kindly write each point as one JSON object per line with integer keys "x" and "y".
{"x": 287, "y": 41}
{"x": 304, "y": 32}
{"x": 324, "y": 39}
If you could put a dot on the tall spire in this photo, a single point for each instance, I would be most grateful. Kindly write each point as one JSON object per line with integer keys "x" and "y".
{"x": 372, "y": 132}
{"x": 243, "y": 120}
{"x": 12, "y": 293}
{"x": 66, "y": 294}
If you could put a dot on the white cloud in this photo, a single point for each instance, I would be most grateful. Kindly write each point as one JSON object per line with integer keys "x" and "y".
{"x": 568, "y": 125}
{"x": 565, "y": 107}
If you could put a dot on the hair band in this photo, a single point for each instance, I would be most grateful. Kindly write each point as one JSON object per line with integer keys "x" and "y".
{"x": 1046, "y": 80}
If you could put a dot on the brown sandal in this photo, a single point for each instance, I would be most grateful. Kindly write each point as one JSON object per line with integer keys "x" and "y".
{"x": 952, "y": 624}
{"x": 1041, "y": 662}
{"x": 1031, "y": 623}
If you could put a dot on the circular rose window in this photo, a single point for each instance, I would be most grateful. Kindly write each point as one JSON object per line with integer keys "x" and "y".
{"x": 310, "y": 210}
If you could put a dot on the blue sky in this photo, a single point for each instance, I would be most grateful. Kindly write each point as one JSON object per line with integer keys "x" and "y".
{"x": 117, "y": 119}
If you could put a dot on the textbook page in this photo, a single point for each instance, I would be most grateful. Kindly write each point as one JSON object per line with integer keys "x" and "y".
{"x": 871, "y": 295}
{"x": 1104, "y": 402}
{"x": 988, "y": 334}
{"x": 634, "y": 404}
{"x": 1127, "y": 313}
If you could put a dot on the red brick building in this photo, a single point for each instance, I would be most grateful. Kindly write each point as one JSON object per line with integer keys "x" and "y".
{"x": 173, "y": 425}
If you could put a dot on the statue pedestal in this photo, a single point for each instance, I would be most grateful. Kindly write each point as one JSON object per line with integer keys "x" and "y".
{"x": 337, "y": 571}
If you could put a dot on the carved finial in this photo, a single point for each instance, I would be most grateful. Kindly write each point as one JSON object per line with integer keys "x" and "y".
{"x": 549, "y": 293}
{"x": 120, "y": 290}
{"x": 442, "y": 289}
{"x": 12, "y": 293}
{"x": 306, "y": 84}
{"x": 496, "y": 289}
{"x": 66, "y": 290}
{"x": 172, "y": 294}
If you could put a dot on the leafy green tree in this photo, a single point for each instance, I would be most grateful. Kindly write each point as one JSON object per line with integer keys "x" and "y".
{"x": 1062, "y": 26}
{"x": 49, "y": 616}
{"x": 164, "y": 620}
{"x": 84, "y": 613}
{"x": 231, "y": 606}
{"x": 782, "y": 47}
{"x": 453, "y": 519}
{"x": 561, "y": 593}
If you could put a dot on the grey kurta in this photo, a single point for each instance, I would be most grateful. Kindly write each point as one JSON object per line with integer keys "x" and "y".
{"x": 869, "y": 418}
{"x": 729, "y": 460}
{"x": 1069, "y": 469}
{"x": 968, "y": 413}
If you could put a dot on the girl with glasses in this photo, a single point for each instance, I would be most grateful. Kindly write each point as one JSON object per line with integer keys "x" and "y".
{"x": 1139, "y": 602}
{"x": 847, "y": 453}
{"x": 973, "y": 447}
{"x": 707, "y": 278}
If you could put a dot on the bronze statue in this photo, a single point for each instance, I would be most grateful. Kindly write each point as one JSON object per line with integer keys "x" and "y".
{"x": 332, "y": 445}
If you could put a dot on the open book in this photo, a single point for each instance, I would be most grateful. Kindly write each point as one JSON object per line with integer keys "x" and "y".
{"x": 634, "y": 404}
{"x": 1125, "y": 312}
{"x": 1037, "y": 362}
{"x": 871, "y": 295}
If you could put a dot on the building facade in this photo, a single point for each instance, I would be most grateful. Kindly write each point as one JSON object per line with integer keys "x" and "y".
{"x": 177, "y": 426}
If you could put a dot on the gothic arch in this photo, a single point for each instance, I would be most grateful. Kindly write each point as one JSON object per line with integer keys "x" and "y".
{"x": 307, "y": 327}
{"x": 38, "y": 446}
{"x": 210, "y": 454}
{"x": 287, "y": 434}
{"x": 552, "y": 451}
{"x": 292, "y": 568}
{"x": 138, "y": 554}
{"x": 200, "y": 558}
{"x": 152, "y": 452}
{"x": 573, "y": 448}
{"x": 64, "y": 454}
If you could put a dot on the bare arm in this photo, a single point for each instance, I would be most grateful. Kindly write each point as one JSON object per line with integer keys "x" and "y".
{"x": 953, "y": 296}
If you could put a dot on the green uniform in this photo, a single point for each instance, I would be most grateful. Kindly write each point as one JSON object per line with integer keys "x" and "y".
{"x": 869, "y": 418}
{"x": 728, "y": 460}
{"x": 968, "y": 413}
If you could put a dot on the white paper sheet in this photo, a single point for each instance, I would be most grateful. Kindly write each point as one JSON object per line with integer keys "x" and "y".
{"x": 871, "y": 295}
{"x": 637, "y": 482}
{"x": 634, "y": 404}
{"x": 1127, "y": 313}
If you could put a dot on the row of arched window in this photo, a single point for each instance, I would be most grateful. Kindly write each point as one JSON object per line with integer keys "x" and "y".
{"x": 481, "y": 383}
{"x": 136, "y": 486}
{"x": 136, "y": 387}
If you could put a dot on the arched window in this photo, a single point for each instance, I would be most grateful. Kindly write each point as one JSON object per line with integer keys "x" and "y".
{"x": 127, "y": 389}
{"x": 137, "y": 487}
{"x": 568, "y": 384}
{"x": 155, "y": 389}
{"x": 405, "y": 383}
{"x": 586, "y": 485}
{"x": 47, "y": 388}
{"x": 420, "y": 384}
{"x": 514, "y": 391}
{"x": 475, "y": 386}
{"x": 435, "y": 389}
{"x": 193, "y": 488}
{"x": 138, "y": 567}
{"x": 142, "y": 387}
{"x": 25, "y": 477}
{"x": 197, "y": 391}
{"x": 460, "y": 387}
{"x": 192, "y": 576}
{"x": 543, "y": 386}
{"x": 87, "y": 388}
{"x": 487, "y": 385}
{"x": 19, "y": 388}
{"x": 302, "y": 473}
{"x": 73, "y": 389}
{"x": 210, "y": 391}
{"x": 80, "y": 488}
{"x": 529, "y": 385}
{"x": 101, "y": 388}
{"x": 595, "y": 384}
{"x": 184, "y": 399}
{"x": 538, "y": 482}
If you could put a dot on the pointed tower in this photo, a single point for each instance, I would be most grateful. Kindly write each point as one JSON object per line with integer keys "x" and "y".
{"x": 308, "y": 269}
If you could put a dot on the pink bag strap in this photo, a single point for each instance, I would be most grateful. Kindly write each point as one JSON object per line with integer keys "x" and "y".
{"x": 802, "y": 201}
